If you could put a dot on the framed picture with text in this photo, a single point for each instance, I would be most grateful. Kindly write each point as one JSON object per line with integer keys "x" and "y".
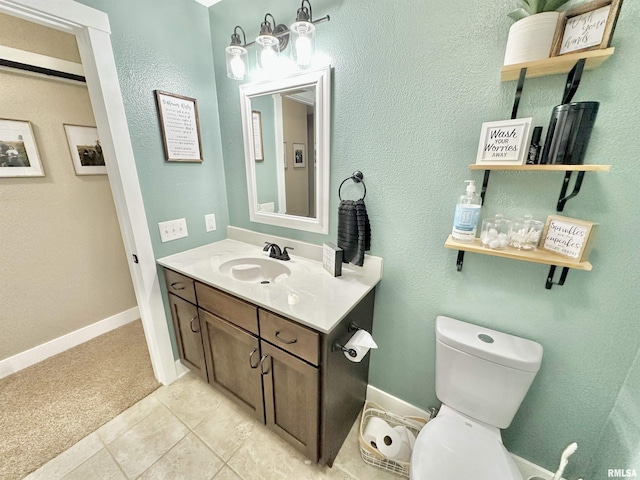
{"x": 569, "y": 237}
{"x": 504, "y": 142}
{"x": 180, "y": 127}
{"x": 587, "y": 27}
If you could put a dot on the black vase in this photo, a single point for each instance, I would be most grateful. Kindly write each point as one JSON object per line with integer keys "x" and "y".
{"x": 569, "y": 132}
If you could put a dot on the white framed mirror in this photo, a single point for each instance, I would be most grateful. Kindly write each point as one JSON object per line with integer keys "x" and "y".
{"x": 285, "y": 125}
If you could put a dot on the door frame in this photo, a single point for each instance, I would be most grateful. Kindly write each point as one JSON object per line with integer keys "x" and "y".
{"x": 92, "y": 30}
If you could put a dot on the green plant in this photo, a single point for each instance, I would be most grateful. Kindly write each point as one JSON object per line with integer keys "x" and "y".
{"x": 531, "y": 7}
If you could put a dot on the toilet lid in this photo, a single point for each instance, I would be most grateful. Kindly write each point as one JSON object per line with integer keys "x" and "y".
{"x": 450, "y": 448}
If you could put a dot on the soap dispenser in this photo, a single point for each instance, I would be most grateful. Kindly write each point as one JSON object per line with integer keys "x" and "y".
{"x": 467, "y": 214}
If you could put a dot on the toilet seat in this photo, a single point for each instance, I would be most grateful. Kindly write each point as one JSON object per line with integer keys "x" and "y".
{"x": 452, "y": 447}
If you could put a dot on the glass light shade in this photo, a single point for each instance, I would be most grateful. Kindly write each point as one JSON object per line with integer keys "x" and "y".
{"x": 302, "y": 37}
{"x": 237, "y": 61}
{"x": 267, "y": 52}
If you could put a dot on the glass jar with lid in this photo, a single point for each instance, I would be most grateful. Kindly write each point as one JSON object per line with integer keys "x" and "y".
{"x": 525, "y": 233}
{"x": 495, "y": 232}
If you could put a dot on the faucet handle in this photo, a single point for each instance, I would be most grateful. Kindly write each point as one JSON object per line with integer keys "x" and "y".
{"x": 267, "y": 246}
{"x": 285, "y": 254}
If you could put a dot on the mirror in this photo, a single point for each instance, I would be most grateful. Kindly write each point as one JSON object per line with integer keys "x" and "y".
{"x": 285, "y": 124}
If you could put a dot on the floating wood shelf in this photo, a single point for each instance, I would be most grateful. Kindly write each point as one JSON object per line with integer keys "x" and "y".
{"x": 535, "y": 256}
{"x": 555, "y": 65}
{"x": 544, "y": 168}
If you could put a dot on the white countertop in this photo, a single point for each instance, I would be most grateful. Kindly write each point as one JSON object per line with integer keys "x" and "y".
{"x": 310, "y": 295}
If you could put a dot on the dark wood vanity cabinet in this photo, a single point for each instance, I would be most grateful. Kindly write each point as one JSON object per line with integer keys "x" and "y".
{"x": 290, "y": 377}
{"x": 186, "y": 322}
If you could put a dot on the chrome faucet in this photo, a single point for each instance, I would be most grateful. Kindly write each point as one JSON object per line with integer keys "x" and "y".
{"x": 275, "y": 251}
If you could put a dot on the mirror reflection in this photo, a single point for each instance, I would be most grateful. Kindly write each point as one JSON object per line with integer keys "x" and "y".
{"x": 286, "y": 140}
{"x": 286, "y": 170}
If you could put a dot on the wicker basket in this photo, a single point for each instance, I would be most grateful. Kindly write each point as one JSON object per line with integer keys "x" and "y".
{"x": 372, "y": 455}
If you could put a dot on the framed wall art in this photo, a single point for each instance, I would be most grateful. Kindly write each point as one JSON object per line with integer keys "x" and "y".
{"x": 18, "y": 151}
{"x": 299, "y": 156}
{"x": 587, "y": 27}
{"x": 569, "y": 237}
{"x": 256, "y": 124}
{"x": 504, "y": 142}
{"x": 180, "y": 127}
{"x": 86, "y": 151}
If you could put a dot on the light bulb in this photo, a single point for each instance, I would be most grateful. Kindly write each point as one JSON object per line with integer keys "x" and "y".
{"x": 238, "y": 67}
{"x": 304, "y": 50}
{"x": 268, "y": 58}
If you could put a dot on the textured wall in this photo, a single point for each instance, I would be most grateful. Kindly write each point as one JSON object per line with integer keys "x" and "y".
{"x": 62, "y": 262}
{"x": 165, "y": 45}
{"x": 266, "y": 170}
{"x": 413, "y": 81}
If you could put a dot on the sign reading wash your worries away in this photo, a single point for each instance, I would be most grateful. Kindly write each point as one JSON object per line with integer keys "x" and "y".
{"x": 504, "y": 142}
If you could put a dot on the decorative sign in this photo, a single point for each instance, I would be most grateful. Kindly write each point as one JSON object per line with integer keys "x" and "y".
{"x": 568, "y": 237}
{"x": 180, "y": 127}
{"x": 504, "y": 142}
{"x": 256, "y": 123}
{"x": 586, "y": 27}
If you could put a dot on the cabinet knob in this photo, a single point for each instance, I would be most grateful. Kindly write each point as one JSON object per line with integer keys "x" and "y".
{"x": 262, "y": 370}
{"x": 288, "y": 342}
{"x": 251, "y": 359}
{"x": 191, "y": 325}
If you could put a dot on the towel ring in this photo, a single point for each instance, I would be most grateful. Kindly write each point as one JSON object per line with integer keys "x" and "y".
{"x": 356, "y": 177}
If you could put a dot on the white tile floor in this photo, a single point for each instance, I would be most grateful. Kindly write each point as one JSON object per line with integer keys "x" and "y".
{"x": 189, "y": 431}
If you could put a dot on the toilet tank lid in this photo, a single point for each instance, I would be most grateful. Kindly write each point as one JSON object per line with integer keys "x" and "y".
{"x": 497, "y": 347}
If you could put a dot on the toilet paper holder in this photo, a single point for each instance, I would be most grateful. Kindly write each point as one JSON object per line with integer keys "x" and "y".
{"x": 337, "y": 346}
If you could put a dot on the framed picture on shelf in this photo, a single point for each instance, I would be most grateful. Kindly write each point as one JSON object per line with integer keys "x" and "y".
{"x": 299, "y": 156}
{"x": 504, "y": 142}
{"x": 587, "y": 27}
{"x": 569, "y": 237}
{"x": 86, "y": 151}
{"x": 180, "y": 127}
{"x": 18, "y": 151}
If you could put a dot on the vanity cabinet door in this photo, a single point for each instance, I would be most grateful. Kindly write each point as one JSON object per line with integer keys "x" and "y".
{"x": 291, "y": 398}
{"x": 187, "y": 327}
{"x": 233, "y": 359}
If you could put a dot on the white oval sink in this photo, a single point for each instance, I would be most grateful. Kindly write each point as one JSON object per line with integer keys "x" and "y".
{"x": 255, "y": 270}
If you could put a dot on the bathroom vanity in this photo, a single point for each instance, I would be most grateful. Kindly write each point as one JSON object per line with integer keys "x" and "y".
{"x": 275, "y": 348}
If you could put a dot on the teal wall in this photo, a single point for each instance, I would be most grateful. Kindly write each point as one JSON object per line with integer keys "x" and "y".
{"x": 165, "y": 45}
{"x": 413, "y": 82}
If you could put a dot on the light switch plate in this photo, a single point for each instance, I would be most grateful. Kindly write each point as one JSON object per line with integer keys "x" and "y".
{"x": 210, "y": 222}
{"x": 173, "y": 229}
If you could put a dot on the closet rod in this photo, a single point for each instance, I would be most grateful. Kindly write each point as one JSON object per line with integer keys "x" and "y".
{"x": 42, "y": 70}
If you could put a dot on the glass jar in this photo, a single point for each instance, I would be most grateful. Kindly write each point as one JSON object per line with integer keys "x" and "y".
{"x": 525, "y": 233}
{"x": 495, "y": 232}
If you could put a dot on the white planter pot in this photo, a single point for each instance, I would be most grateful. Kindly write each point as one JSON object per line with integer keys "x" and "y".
{"x": 531, "y": 38}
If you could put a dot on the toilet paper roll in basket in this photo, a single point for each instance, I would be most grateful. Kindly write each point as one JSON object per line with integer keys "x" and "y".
{"x": 374, "y": 426}
{"x": 360, "y": 342}
{"x": 390, "y": 443}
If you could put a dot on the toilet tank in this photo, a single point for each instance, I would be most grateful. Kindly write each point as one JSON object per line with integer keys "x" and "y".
{"x": 483, "y": 373}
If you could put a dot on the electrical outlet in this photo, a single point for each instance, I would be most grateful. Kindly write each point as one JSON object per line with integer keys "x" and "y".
{"x": 210, "y": 222}
{"x": 173, "y": 229}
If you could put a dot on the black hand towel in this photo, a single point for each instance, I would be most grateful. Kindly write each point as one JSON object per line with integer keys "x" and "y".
{"x": 354, "y": 231}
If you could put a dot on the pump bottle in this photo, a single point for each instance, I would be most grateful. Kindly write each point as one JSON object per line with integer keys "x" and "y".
{"x": 467, "y": 214}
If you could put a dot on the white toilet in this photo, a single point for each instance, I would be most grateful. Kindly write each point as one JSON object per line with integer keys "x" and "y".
{"x": 482, "y": 377}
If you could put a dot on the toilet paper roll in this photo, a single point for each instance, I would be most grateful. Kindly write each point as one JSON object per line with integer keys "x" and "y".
{"x": 374, "y": 426}
{"x": 390, "y": 444}
{"x": 360, "y": 342}
{"x": 406, "y": 435}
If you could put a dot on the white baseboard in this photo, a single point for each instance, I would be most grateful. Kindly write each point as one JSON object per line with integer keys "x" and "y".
{"x": 400, "y": 407}
{"x": 58, "y": 345}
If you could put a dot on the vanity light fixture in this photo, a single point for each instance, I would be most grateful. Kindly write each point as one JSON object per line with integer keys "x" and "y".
{"x": 237, "y": 56}
{"x": 303, "y": 36}
{"x": 273, "y": 39}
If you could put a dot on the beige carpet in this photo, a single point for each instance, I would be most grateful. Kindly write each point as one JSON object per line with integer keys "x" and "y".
{"x": 50, "y": 406}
